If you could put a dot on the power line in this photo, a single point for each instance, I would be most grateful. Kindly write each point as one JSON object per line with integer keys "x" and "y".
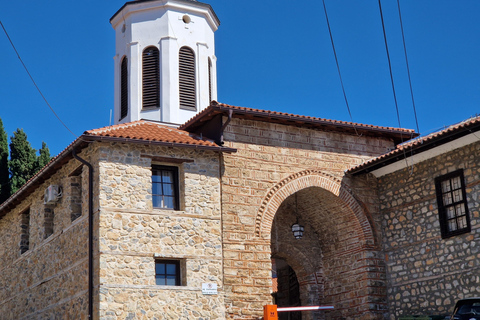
{"x": 391, "y": 79}
{"x": 408, "y": 68}
{"x": 389, "y": 63}
{"x": 34, "y": 83}
{"x": 338, "y": 66}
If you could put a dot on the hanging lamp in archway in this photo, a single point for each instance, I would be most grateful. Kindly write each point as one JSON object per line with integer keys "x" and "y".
{"x": 297, "y": 228}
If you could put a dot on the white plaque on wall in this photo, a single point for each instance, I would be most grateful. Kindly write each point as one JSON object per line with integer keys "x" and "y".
{"x": 209, "y": 288}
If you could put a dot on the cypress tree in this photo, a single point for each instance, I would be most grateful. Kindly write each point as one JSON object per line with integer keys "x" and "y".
{"x": 4, "y": 174}
{"x": 23, "y": 160}
{"x": 43, "y": 158}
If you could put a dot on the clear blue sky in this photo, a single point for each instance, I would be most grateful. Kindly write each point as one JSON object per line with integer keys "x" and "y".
{"x": 272, "y": 54}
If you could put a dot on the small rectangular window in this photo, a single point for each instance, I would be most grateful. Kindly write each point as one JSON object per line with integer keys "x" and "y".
{"x": 165, "y": 187}
{"x": 48, "y": 222}
{"x": 167, "y": 273}
{"x": 75, "y": 191}
{"x": 452, "y": 204}
{"x": 25, "y": 231}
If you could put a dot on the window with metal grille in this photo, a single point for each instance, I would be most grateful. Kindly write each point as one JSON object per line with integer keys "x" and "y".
{"x": 209, "y": 80}
{"x": 452, "y": 204}
{"x": 167, "y": 273}
{"x": 165, "y": 187}
{"x": 187, "y": 79}
{"x": 151, "y": 78}
{"x": 124, "y": 88}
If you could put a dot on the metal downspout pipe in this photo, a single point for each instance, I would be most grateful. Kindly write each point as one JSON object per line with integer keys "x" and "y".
{"x": 90, "y": 233}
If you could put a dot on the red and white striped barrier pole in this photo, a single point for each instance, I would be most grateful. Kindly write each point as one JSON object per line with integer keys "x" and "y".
{"x": 304, "y": 308}
{"x": 270, "y": 311}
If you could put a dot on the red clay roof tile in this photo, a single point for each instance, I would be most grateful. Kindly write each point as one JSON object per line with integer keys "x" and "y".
{"x": 150, "y": 131}
{"x": 417, "y": 143}
{"x": 266, "y": 113}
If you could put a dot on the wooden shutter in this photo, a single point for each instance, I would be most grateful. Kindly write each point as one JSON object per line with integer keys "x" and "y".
{"x": 124, "y": 88}
{"x": 150, "y": 78}
{"x": 187, "y": 79}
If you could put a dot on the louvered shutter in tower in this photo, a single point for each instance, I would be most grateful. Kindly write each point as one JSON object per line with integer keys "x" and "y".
{"x": 209, "y": 80}
{"x": 187, "y": 79}
{"x": 150, "y": 78}
{"x": 123, "y": 88}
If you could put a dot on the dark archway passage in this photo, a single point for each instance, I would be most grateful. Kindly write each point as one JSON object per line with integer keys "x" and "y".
{"x": 287, "y": 289}
{"x": 332, "y": 260}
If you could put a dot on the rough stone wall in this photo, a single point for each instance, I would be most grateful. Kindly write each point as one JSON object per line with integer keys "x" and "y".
{"x": 133, "y": 234}
{"x": 427, "y": 274}
{"x": 268, "y": 153}
{"x": 49, "y": 280}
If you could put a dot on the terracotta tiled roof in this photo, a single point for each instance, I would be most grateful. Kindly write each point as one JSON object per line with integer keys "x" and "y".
{"x": 420, "y": 144}
{"x": 136, "y": 132}
{"x": 151, "y": 131}
{"x": 398, "y": 134}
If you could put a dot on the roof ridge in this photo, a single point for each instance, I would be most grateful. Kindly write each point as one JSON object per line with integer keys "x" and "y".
{"x": 218, "y": 105}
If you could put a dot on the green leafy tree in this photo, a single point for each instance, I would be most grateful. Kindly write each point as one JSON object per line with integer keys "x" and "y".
{"x": 44, "y": 157}
{"x": 4, "y": 174}
{"x": 23, "y": 160}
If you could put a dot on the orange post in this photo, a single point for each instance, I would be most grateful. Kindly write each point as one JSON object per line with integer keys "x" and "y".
{"x": 270, "y": 312}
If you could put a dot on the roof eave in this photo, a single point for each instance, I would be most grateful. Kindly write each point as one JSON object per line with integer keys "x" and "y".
{"x": 66, "y": 155}
{"x": 160, "y": 143}
{"x": 41, "y": 176}
{"x": 205, "y": 5}
{"x": 402, "y": 154}
{"x": 215, "y": 108}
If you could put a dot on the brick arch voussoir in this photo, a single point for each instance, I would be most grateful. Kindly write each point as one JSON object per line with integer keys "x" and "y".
{"x": 301, "y": 180}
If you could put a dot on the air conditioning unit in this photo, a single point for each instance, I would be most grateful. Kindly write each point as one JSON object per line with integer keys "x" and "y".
{"x": 52, "y": 194}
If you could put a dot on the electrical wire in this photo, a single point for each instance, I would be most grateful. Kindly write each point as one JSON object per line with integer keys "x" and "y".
{"x": 408, "y": 68}
{"x": 338, "y": 67}
{"x": 391, "y": 79}
{"x": 34, "y": 83}
{"x": 389, "y": 63}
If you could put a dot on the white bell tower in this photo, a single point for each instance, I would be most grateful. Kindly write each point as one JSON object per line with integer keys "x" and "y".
{"x": 165, "y": 64}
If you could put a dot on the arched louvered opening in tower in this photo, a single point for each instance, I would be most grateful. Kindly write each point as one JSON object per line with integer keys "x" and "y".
{"x": 209, "y": 80}
{"x": 124, "y": 88}
{"x": 150, "y": 78}
{"x": 187, "y": 79}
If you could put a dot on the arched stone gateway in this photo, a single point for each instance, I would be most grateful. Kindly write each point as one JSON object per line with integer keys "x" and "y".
{"x": 336, "y": 262}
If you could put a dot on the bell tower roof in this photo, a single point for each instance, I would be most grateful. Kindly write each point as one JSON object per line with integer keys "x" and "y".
{"x": 191, "y": 2}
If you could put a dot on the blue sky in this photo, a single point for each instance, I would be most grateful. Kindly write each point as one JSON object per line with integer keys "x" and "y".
{"x": 273, "y": 55}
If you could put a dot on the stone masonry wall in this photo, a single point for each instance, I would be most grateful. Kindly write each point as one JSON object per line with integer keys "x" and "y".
{"x": 49, "y": 279}
{"x": 268, "y": 153}
{"x": 427, "y": 274}
{"x": 133, "y": 234}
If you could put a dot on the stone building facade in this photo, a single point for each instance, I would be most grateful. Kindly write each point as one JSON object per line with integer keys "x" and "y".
{"x": 148, "y": 220}
{"x": 45, "y": 274}
{"x": 223, "y": 231}
{"x": 430, "y": 264}
{"x": 374, "y": 245}
{"x": 285, "y": 169}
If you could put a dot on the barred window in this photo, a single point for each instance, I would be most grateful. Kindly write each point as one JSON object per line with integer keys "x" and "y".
{"x": 186, "y": 62}
{"x": 151, "y": 78}
{"x": 452, "y": 204}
